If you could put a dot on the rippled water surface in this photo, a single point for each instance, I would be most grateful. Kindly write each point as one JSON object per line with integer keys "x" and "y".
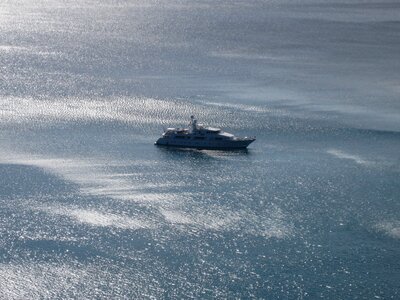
{"x": 91, "y": 209}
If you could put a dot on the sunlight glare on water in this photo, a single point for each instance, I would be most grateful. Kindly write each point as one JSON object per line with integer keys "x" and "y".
{"x": 91, "y": 208}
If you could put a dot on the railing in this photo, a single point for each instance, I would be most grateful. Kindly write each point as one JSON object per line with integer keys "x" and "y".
{"x": 246, "y": 138}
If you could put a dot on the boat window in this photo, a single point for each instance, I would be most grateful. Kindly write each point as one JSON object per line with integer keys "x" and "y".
{"x": 218, "y": 138}
{"x": 179, "y": 137}
{"x": 199, "y": 137}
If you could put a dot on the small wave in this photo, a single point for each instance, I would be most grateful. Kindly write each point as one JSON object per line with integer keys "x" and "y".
{"x": 38, "y": 281}
{"x": 10, "y": 48}
{"x": 97, "y": 218}
{"x": 92, "y": 179}
{"x": 176, "y": 217}
{"x": 271, "y": 225}
{"x": 37, "y": 51}
{"x": 389, "y": 228}
{"x": 168, "y": 207}
{"x": 140, "y": 112}
{"x": 71, "y": 279}
{"x": 237, "y": 106}
{"x": 355, "y": 158}
{"x": 248, "y": 56}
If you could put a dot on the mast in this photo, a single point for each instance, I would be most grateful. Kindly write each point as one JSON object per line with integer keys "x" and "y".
{"x": 193, "y": 124}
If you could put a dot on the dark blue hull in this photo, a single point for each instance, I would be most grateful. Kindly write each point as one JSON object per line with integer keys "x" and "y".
{"x": 231, "y": 145}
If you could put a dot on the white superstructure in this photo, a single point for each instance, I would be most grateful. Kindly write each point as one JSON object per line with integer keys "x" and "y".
{"x": 200, "y": 137}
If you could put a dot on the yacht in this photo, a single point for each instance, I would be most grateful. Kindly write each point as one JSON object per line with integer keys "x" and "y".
{"x": 200, "y": 137}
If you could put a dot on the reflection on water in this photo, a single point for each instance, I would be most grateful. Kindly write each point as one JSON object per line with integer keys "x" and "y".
{"x": 187, "y": 154}
{"x": 90, "y": 208}
{"x": 79, "y": 195}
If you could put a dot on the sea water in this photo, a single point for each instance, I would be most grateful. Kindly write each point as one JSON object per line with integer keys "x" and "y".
{"x": 91, "y": 209}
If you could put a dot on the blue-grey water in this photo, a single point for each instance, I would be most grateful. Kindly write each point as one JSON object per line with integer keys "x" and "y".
{"x": 91, "y": 209}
